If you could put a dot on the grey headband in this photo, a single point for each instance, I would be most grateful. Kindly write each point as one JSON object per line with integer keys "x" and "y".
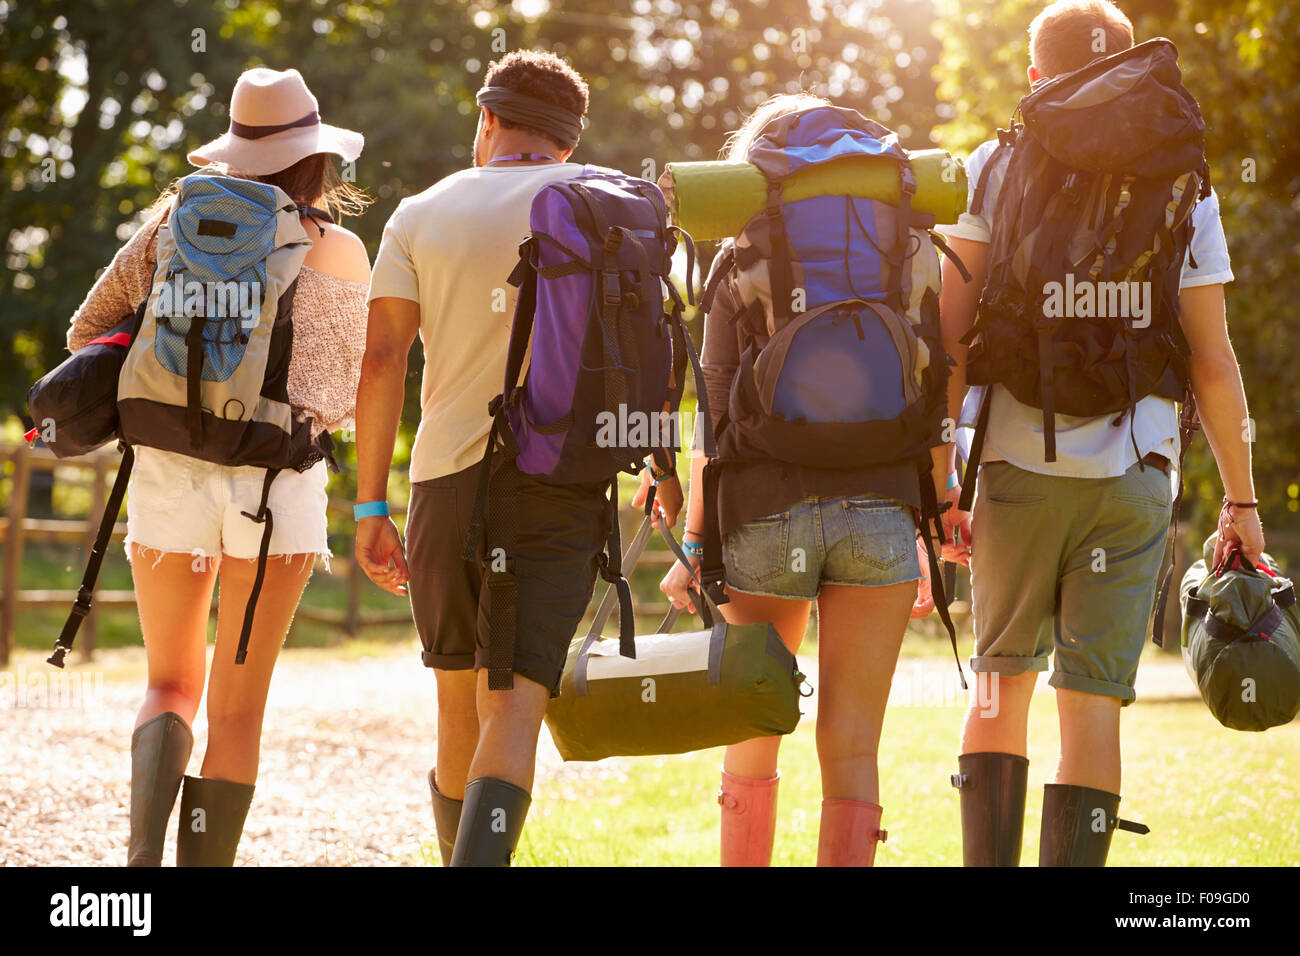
{"x": 564, "y": 125}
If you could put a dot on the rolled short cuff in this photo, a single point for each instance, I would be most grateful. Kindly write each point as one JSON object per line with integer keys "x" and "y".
{"x": 447, "y": 662}
{"x": 1007, "y": 665}
{"x": 1092, "y": 685}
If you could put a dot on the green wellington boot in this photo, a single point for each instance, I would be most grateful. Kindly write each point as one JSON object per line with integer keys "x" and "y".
{"x": 992, "y": 787}
{"x": 491, "y": 821}
{"x": 212, "y": 821}
{"x": 446, "y": 819}
{"x": 1077, "y": 825}
{"x": 160, "y": 749}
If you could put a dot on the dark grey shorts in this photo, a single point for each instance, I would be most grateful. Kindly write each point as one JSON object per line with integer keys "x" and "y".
{"x": 558, "y": 533}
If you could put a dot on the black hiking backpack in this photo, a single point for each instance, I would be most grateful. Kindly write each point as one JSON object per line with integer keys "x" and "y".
{"x": 1090, "y": 230}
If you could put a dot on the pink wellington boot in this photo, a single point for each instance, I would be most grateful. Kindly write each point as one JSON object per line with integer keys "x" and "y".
{"x": 748, "y": 820}
{"x": 850, "y": 830}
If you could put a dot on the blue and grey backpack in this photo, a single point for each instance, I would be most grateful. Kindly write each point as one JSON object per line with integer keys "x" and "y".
{"x": 205, "y": 369}
{"x": 842, "y": 363}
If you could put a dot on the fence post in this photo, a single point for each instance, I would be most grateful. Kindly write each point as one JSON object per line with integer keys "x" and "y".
{"x": 14, "y": 549}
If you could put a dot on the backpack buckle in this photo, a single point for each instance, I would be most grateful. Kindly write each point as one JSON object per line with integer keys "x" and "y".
{"x": 611, "y": 289}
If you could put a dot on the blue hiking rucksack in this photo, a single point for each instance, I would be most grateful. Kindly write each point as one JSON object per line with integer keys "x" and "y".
{"x": 202, "y": 369}
{"x": 842, "y": 363}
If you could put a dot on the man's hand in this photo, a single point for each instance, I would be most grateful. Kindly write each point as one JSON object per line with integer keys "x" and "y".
{"x": 1239, "y": 528}
{"x": 380, "y": 554}
{"x": 955, "y": 548}
{"x": 669, "y": 498}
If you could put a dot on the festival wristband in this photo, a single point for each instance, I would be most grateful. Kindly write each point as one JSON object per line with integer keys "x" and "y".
{"x": 694, "y": 548}
{"x": 370, "y": 509}
{"x": 952, "y": 480}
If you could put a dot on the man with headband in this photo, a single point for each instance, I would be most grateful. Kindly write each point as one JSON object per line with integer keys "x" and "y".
{"x": 441, "y": 272}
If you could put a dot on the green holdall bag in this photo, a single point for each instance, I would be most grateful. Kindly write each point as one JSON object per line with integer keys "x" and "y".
{"x": 682, "y": 692}
{"x": 1241, "y": 640}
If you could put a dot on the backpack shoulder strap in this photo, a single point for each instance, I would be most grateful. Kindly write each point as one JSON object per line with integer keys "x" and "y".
{"x": 86, "y": 593}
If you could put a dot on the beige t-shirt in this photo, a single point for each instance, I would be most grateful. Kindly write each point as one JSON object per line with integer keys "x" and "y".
{"x": 451, "y": 248}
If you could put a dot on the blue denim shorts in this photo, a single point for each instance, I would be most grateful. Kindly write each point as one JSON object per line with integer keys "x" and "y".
{"x": 861, "y": 541}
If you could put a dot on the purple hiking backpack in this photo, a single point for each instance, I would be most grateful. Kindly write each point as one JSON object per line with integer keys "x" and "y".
{"x": 607, "y": 361}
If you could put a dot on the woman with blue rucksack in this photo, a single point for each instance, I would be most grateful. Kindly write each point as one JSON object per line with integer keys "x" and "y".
{"x": 246, "y": 308}
{"x": 826, "y": 377}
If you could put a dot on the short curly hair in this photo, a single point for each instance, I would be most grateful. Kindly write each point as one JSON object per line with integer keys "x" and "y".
{"x": 541, "y": 75}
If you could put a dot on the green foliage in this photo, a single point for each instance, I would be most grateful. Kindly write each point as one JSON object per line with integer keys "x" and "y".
{"x": 1240, "y": 60}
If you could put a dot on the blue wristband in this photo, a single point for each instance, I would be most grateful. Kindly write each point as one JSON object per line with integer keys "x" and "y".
{"x": 952, "y": 480}
{"x": 369, "y": 509}
{"x": 693, "y": 548}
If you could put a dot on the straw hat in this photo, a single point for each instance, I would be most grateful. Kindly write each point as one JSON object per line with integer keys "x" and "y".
{"x": 274, "y": 122}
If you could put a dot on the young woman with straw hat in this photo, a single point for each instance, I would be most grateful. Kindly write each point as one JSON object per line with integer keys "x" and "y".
{"x": 185, "y": 529}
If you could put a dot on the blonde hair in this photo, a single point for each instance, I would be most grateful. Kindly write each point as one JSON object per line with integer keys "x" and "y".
{"x": 1070, "y": 34}
{"x": 736, "y": 148}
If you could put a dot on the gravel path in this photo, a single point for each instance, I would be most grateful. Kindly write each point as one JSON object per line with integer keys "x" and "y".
{"x": 345, "y": 751}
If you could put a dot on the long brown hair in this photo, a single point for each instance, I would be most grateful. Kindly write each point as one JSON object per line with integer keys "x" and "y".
{"x": 312, "y": 181}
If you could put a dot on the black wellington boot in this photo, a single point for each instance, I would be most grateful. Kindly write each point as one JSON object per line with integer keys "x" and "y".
{"x": 212, "y": 821}
{"x": 446, "y": 819}
{"x": 992, "y": 787}
{"x": 160, "y": 749}
{"x": 490, "y": 822}
{"x": 1078, "y": 823}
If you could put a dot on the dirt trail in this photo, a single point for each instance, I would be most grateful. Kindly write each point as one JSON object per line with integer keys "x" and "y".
{"x": 345, "y": 751}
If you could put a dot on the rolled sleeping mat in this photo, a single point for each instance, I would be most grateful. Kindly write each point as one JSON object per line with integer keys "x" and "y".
{"x": 714, "y": 200}
{"x": 1241, "y": 642}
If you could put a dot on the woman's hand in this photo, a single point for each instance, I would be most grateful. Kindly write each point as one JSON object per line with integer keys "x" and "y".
{"x": 924, "y": 603}
{"x": 678, "y": 584}
{"x": 378, "y": 545}
{"x": 669, "y": 498}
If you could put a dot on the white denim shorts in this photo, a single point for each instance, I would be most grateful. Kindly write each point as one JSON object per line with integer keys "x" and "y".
{"x": 176, "y": 503}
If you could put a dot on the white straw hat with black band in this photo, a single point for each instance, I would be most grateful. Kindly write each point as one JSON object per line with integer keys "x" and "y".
{"x": 274, "y": 123}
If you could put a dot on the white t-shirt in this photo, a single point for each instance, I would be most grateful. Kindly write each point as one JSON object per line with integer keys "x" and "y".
{"x": 451, "y": 248}
{"x": 1085, "y": 447}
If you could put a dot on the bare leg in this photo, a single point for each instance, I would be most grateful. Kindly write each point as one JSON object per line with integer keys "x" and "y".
{"x": 757, "y": 758}
{"x": 1090, "y": 755}
{"x": 237, "y": 692}
{"x": 509, "y": 722}
{"x": 174, "y": 597}
{"x": 860, "y": 630}
{"x": 458, "y": 729}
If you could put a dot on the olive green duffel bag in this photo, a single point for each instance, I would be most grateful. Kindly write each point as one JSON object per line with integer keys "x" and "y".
{"x": 1241, "y": 641}
{"x": 682, "y": 692}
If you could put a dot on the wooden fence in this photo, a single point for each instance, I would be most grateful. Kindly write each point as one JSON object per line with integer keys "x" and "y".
{"x": 16, "y": 528}
{"x": 99, "y": 470}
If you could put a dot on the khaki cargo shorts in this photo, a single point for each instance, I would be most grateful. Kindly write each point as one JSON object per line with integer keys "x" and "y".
{"x": 1068, "y": 565}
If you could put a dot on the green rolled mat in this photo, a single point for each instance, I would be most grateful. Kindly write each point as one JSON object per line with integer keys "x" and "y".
{"x": 714, "y": 200}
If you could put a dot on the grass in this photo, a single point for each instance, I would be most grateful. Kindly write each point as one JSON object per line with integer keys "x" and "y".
{"x": 1210, "y": 795}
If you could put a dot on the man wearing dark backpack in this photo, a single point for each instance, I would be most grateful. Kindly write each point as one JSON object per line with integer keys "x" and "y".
{"x": 1096, "y": 301}
{"x": 442, "y": 271}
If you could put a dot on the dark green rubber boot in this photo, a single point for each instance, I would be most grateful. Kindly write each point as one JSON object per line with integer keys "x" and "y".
{"x": 446, "y": 819}
{"x": 992, "y": 787}
{"x": 1078, "y": 823}
{"x": 490, "y": 823}
{"x": 160, "y": 749}
{"x": 212, "y": 821}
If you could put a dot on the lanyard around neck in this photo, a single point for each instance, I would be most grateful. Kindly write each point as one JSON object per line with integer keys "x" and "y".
{"x": 522, "y": 157}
